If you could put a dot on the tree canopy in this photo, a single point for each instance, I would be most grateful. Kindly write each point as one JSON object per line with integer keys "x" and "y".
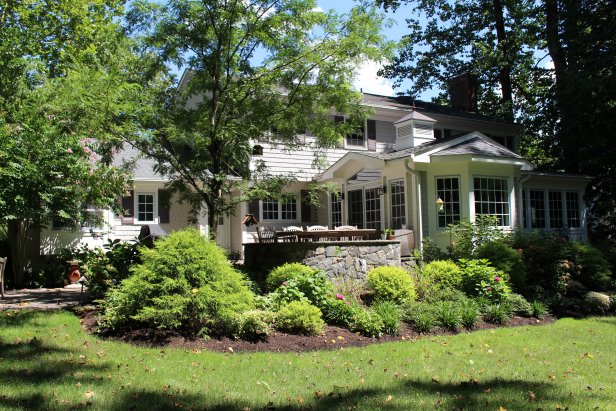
{"x": 65, "y": 94}
{"x": 251, "y": 67}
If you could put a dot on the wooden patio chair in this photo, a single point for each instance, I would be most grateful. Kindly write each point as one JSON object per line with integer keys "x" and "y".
{"x": 2, "y": 267}
{"x": 348, "y": 228}
{"x": 291, "y": 238}
{"x": 318, "y": 228}
{"x": 267, "y": 235}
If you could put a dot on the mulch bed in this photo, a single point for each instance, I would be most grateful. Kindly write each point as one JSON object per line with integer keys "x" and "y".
{"x": 331, "y": 339}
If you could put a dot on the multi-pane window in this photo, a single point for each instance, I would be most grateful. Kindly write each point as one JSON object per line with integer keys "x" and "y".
{"x": 279, "y": 210}
{"x": 550, "y": 209}
{"x": 448, "y": 190}
{"x": 555, "y": 207}
{"x": 573, "y": 209}
{"x": 398, "y": 211}
{"x": 270, "y": 209}
{"x": 492, "y": 198}
{"x": 356, "y": 208}
{"x": 373, "y": 208}
{"x": 335, "y": 202}
{"x": 288, "y": 209}
{"x": 145, "y": 207}
{"x": 537, "y": 208}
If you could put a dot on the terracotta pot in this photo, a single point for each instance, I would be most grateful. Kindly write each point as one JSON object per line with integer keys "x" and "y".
{"x": 73, "y": 271}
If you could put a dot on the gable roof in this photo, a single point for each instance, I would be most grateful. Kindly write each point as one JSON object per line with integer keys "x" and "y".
{"x": 414, "y": 115}
{"x": 478, "y": 146}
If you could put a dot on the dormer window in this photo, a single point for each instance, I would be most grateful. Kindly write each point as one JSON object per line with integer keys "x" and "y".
{"x": 353, "y": 140}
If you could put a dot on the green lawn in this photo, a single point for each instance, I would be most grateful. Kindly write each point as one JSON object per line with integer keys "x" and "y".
{"x": 47, "y": 362}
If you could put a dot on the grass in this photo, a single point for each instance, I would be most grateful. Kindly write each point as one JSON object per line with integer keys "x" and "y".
{"x": 48, "y": 362}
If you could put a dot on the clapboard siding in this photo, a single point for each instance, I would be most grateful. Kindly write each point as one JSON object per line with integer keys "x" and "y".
{"x": 299, "y": 161}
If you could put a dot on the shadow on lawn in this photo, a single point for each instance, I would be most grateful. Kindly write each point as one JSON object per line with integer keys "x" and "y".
{"x": 28, "y": 364}
{"x": 406, "y": 394}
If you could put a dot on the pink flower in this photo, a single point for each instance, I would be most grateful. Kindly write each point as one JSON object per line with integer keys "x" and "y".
{"x": 69, "y": 150}
{"x": 284, "y": 283}
{"x": 497, "y": 278}
{"x": 348, "y": 303}
{"x": 339, "y": 297}
{"x": 489, "y": 288}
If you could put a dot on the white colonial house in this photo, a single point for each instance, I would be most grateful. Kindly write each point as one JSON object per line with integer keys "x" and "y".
{"x": 417, "y": 166}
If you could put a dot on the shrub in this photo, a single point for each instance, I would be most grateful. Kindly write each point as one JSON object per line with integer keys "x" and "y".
{"x": 432, "y": 252}
{"x": 100, "y": 273}
{"x": 313, "y": 287}
{"x": 505, "y": 259}
{"x": 391, "y": 284}
{"x": 538, "y": 309}
{"x": 496, "y": 313}
{"x": 542, "y": 254}
{"x": 443, "y": 273}
{"x": 598, "y": 303}
{"x": 349, "y": 287}
{"x": 340, "y": 312}
{"x": 467, "y": 237}
{"x": 447, "y": 315}
{"x": 185, "y": 282}
{"x": 423, "y": 320}
{"x": 285, "y": 272}
{"x": 482, "y": 280}
{"x": 468, "y": 315}
{"x": 367, "y": 322}
{"x": 518, "y": 305}
{"x": 434, "y": 295}
{"x": 255, "y": 325}
{"x": 594, "y": 271}
{"x": 300, "y": 317}
{"x": 390, "y": 316}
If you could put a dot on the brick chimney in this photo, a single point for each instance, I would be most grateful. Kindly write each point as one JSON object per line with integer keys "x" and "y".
{"x": 463, "y": 92}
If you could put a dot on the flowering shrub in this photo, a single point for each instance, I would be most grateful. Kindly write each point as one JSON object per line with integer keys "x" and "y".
{"x": 313, "y": 287}
{"x": 284, "y": 273}
{"x": 482, "y": 280}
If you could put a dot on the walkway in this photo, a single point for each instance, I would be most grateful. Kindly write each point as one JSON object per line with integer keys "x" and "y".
{"x": 42, "y": 298}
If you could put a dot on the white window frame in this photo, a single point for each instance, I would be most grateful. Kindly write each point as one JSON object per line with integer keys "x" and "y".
{"x": 81, "y": 226}
{"x": 564, "y": 208}
{"x": 436, "y": 191}
{"x": 154, "y": 207}
{"x": 279, "y": 211}
{"x": 336, "y": 199}
{"x": 507, "y": 192}
{"x": 364, "y": 145}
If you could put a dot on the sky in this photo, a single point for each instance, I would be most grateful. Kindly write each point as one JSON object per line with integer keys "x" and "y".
{"x": 367, "y": 79}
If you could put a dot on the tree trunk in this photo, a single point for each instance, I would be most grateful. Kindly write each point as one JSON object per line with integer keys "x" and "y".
{"x": 504, "y": 74}
{"x": 568, "y": 133}
{"x": 18, "y": 236}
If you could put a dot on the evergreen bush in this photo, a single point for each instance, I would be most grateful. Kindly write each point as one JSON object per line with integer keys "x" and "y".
{"x": 300, "y": 317}
{"x": 184, "y": 283}
{"x": 285, "y": 272}
{"x": 391, "y": 284}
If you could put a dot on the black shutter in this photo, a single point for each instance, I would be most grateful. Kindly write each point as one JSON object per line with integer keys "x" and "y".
{"x": 306, "y": 207}
{"x": 128, "y": 205}
{"x": 371, "y": 135}
{"x": 253, "y": 208}
{"x": 164, "y": 206}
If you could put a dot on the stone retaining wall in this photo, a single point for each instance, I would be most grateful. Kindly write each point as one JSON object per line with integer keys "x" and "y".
{"x": 352, "y": 259}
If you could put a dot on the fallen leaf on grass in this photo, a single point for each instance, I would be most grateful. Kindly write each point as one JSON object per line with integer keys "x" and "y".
{"x": 88, "y": 394}
{"x": 389, "y": 398}
{"x": 532, "y": 396}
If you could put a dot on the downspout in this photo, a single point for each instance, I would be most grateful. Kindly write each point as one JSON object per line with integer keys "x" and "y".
{"x": 419, "y": 211}
{"x": 521, "y": 198}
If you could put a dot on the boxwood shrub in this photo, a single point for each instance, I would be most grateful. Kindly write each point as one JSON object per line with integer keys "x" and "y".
{"x": 391, "y": 284}
{"x": 285, "y": 272}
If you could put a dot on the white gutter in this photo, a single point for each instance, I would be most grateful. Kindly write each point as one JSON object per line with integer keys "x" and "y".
{"x": 419, "y": 219}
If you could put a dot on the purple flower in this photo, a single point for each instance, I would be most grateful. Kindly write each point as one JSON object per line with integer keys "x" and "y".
{"x": 339, "y": 297}
{"x": 497, "y": 278}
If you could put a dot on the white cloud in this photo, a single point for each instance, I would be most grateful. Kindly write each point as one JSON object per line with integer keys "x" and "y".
{"x": 318, "y": 9}
{"x": 368, "y": 81}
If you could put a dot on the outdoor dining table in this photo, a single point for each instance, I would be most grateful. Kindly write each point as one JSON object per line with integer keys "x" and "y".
{"x": 336, "y": 235}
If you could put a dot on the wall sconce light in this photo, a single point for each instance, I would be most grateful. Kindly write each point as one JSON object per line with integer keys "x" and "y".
{"x": 381, "y": 190}
{"x": 439, "y": 205}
